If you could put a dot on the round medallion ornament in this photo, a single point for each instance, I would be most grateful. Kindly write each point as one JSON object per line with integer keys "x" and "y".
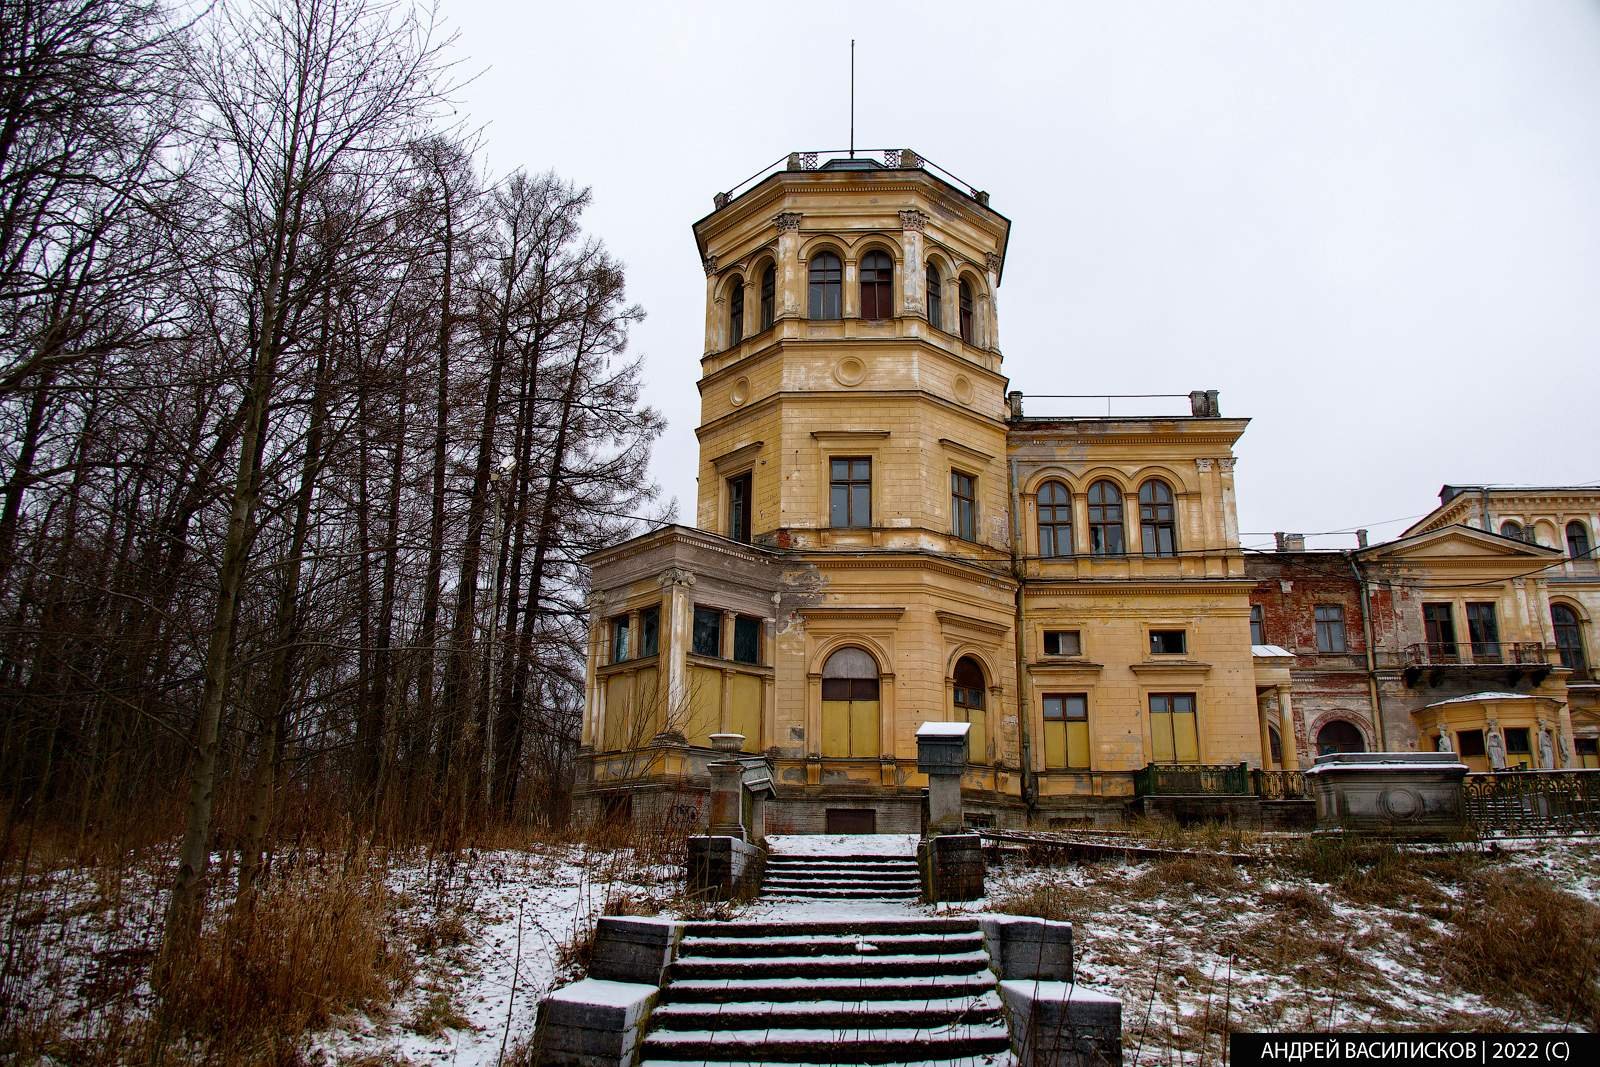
{"x": 740, "y": 392}
{"x": 963, "y": 389}
{"x": 849, "y": 371}
{"x": 1401, "y": 804}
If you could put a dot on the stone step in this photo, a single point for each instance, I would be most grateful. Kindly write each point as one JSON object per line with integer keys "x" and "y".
{"x": 894, "y": 884}
{"x": 899, "y": 944}
{"x": 857, "y": 1045}
{"x": 839, "y": 927}
{"x": 810, "y": 862}
{"x": 843, "y": 965}
{"x": 860, "y": 873}
{"x": 872, "y": 988}
{"x": 925, "y": 1014}
{"x": 990, "y": 1059}
{"x": 824, "y": 893}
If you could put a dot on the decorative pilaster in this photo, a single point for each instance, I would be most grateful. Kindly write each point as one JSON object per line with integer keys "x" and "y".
{"x": 679, "y": 627}
{"x": 789, "y": 266}
{"x": 991, "y": 263}
{"x": 914, "y": 278}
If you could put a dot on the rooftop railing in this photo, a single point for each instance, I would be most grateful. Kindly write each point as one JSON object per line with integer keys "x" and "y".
{"x": 847, "y": 159}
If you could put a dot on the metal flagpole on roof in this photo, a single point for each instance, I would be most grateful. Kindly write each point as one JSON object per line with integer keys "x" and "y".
{"x": 852, "y": 98}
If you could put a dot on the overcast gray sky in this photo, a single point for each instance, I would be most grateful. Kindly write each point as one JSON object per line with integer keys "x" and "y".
{"x": 1375, "y": 227}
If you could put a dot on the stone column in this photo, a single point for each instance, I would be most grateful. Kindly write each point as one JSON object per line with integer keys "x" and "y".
{"x": 710, "y": 265}
{"x": 992, "y": 267}
{"x": 791, "y": 272}
{"x": 677, "y": 628}
{"x": 1291, "y": 751}
{"x": 914, "y": 301}
{"x": 594, "y": 691}
{"x": 727, "y": 788}
{"x": 1264, "y": 718}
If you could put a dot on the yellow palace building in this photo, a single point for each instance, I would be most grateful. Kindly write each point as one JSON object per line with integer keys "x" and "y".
{"x": 884, "y": 538}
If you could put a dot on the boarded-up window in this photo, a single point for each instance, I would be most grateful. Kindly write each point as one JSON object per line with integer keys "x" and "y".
{"x": 705, "y": 705}
{"x": 1172, "y": 728}
{"x": 1066, "y": 731}
{"x": 744, "y": 710}
{"x": 850, "y": 704}
{"x": 970, "y": 707}
{"x": 747, "y": 639}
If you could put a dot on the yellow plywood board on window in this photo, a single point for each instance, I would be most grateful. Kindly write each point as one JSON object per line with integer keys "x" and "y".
{"x": 647, "y": 702}
{"x": 836, "y": 728}
{"x": 745, "y": 710}
{"x": 705, "y": 705}
{"x": 978, "y": 736}
{"x": 1055, "y": 744}
{"x": 618, "y": 728}
{"x": 863, "y": 728}
{"x": 1077, "y": 744}
{"x": 1185, "y": 740}
{"x": 1163, "y": 750}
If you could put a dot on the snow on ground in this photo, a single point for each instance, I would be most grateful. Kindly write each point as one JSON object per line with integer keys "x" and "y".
{"x": 843, "y": 844}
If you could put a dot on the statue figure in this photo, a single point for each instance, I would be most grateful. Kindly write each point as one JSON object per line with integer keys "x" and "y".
{"x": 1497, "y": 751}
{"x": 1443, "y": 743}
{"x": 1547, "y": 751}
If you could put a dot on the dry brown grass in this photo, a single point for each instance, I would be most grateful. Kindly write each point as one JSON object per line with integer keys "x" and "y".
{"x": 1201, "y": 874}
{"x": 1519, "y": 936}
{"x": 1048, "y": 898}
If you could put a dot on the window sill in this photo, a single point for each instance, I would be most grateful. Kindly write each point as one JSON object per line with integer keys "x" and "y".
{"x": 627, "y": 664}
{"x": 1175, "y": 666}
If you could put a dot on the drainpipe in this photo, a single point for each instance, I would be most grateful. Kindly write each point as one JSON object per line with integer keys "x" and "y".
{"x": 1372, "y": 661}
{"x": 1025, "y": 740}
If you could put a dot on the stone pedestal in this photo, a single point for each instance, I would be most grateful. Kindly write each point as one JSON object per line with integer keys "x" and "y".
{"x": 952, "y": 867}
{"x": 1023, "y": 947}
{"x": 593, "y": 1023}
{"x": 723, "y": 867}
{"x": 942, "y": 756}
{"x": 1058, "y": 1024}
{"x": 727, "y": 789}
{"x": 1389, "y": 792}
{"x": 633, "y": 948}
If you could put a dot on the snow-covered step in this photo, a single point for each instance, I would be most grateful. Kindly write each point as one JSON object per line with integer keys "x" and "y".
{"x": 991, "y": 1059}
{"x": 868, "y": 874}
{"x": 823, "y": 928}
{"x": 898, "y": 885}
{"x": 935, "y": 941}
{"x": 829, "y": 1014}
{"x": 829, "y": 966}
{"x": 824, "y": 893}
{"x": 860, "y": 1045}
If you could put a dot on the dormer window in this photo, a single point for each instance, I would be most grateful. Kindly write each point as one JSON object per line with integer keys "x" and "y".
{"x": 736, "y": 313}
{"x": 877, "y": 286}
{"x": 826, "y": 282}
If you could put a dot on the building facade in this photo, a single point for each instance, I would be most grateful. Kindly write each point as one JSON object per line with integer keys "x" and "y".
{"x": 884, "y": 539}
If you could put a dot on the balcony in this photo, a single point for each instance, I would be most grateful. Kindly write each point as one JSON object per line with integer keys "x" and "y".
{"x": 1218, "y": 780}
{"x": 1429, "y": 664}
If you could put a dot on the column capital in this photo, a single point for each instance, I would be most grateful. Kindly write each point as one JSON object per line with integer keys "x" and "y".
{"x": 787, "y": 221}
{"x": 709, "y": 263}
{"x": 1225, "y": 464}
{"x": 991, "y": 262}
{"x": 1203, "y": 465}
{"x": 675, "y": 576}
{"x": 913, "y": 219}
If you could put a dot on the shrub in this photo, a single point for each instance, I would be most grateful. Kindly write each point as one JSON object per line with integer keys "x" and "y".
{"x": 1519, "y": 936}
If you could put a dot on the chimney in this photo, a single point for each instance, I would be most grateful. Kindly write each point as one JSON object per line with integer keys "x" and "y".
{"x": 1290, "y": 542}
{"x": 1361, "y": 539}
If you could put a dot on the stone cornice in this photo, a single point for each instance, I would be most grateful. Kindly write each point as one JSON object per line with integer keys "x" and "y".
{"x": 737, "y": 455}
{"x": 1068, "y": 587}
{"x": 955, "y": 620}
{"x": 847, "y": 611}
{"x": 700, "y": 540}
{"x": 832, "y": 435}
{"x": 834, "y": 396}
{"x": 1048, "y": 666}
{"x": 1187, "y": 666}
{"x": 966, "y": 450}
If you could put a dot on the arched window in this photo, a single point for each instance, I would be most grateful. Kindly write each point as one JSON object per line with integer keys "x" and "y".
{"x": 850, "y": 704}
{"x": 1055, "y": 520}
{"x": 769, "y": 297}
{"x": 1511, "y": 528}
{"x": 1339, "y": 736}
{"x": 1158, "y": 532}
{"x": 964, "y": 296}
{"x": 736, "y": 312}
{"x": 1105, "y": 519}
{"x": 1577, "y": 540}
{"x": 1569, "y": 639}
{"x": 935, "y": 298}
{"x": 1274, "y": 745}
{"x": 877, "y": 286}
{"x": 969, "y": 707}
{"x": 826, "y": 277}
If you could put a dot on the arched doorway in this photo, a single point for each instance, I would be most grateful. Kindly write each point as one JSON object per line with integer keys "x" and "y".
{"x": 850, "y": 704}
{"x": 968, "y": 697}
{"x": 1340, "y": 736}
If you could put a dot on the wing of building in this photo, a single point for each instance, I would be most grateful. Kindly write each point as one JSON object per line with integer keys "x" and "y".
{"x": 886, "y": 536}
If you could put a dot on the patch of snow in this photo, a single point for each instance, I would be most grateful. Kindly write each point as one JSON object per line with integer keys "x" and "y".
{"x": 1468, "y": 698}
{"x": 843, "y": 844}
{"x": 604, "y": 993}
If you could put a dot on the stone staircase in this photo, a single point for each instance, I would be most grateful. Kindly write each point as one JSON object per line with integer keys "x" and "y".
{"x": 885, "y": 991}
{"x": 865, "y": 878}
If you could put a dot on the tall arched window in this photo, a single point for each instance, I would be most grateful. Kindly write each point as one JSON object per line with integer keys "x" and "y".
{"x": 1569, "y": 639}
{"x": 769, "y": 297}
{"x": 877, "y": 286}
{"x": 935, "y": 298}
{"x": 736, "y": 312}
{"x": 964, "y": 296}
{"x": 850, "y": 704}
{"x": 1158, "y": 531}
{"x": 1578, "y": 546}
{"x": 1339, "y": 736}
{"x": 826, "y": 279}
{"x": 1511, "y": 528}
{"x": 968, "y": 697}
{"x": 1105, "y": 519}
{"x": 1055, "y": 520}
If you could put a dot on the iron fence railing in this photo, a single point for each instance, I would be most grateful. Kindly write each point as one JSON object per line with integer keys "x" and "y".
{"x": 1280, "y": 785}
{"x": 1466, "y": 653}
{"x": 864, "y": 158}
{"x": 1192, "y": 779}
{"x": 1533, "y": 802}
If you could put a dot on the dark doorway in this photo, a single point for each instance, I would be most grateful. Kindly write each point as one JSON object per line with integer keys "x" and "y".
{"x": 851, "y": 821}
